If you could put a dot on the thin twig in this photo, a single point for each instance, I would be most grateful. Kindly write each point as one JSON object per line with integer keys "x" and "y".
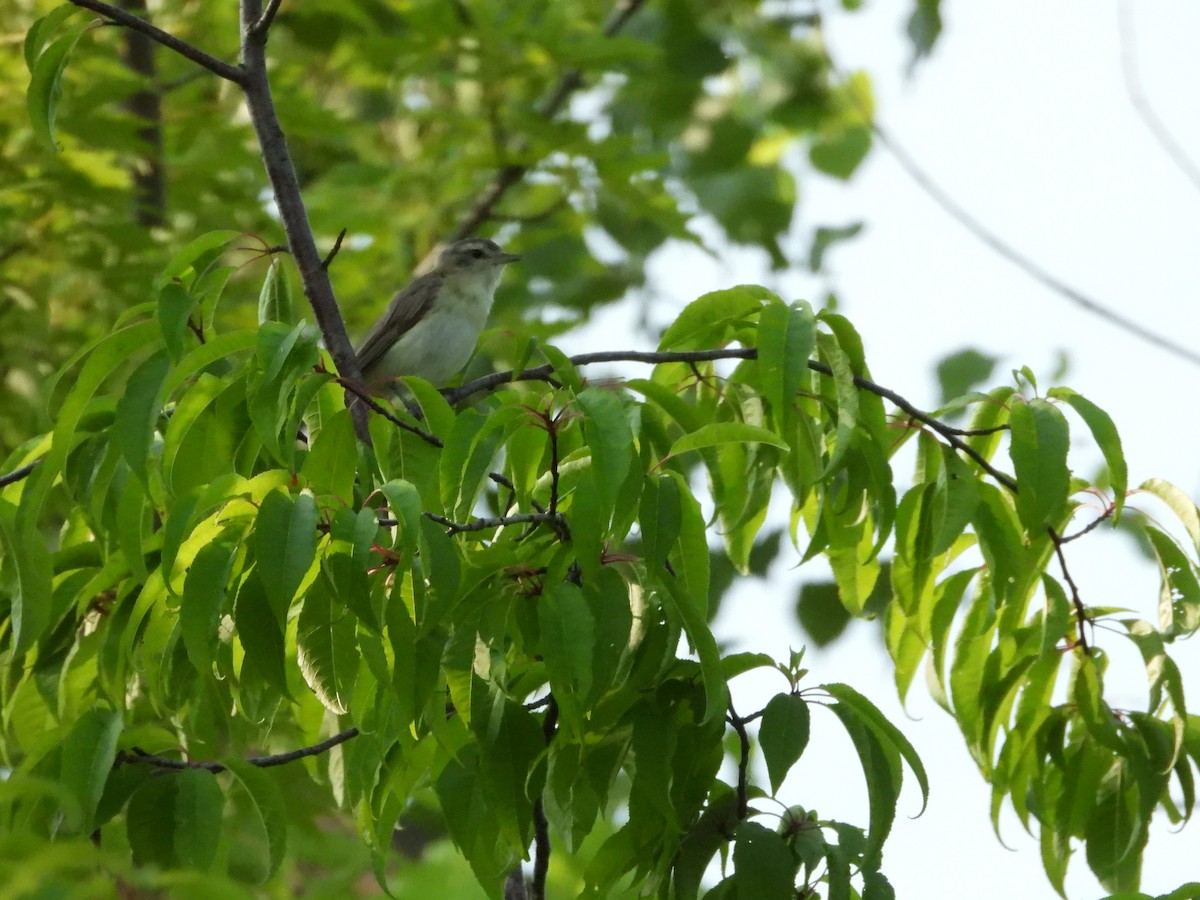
{"x": 542, "y": 373}
{"x": 263, "y": 25}
{"x": 1137, "y": 98}
{"x": 512, "y": 173}
{"x": 743, "y": 782}
{"x": 120, "y": 17}
{"x": 1104, "y": 517}
{"x": 337, "y": 245}
{"x": 1081, "y": 617}
{"x": 17, "y": 474}
{"x": 352, "y": 387}
{"x": 263, "y": 762}
{"x": 485, "y": 523}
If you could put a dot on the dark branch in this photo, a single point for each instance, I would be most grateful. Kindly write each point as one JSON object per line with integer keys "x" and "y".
{"x": 337, "y": 245}
{"x": 183, "y": 48}
{"x": 263, "y": 762}
{"x": 743, "y": 782}
{"x": 1081, "y": 616}
{"x": 352, "y": 387}
{"x": 286, "y": 187}
{"x": 512, "y": 173}
{"x": 541, "y": 826}
{"x": 1137, "y": 97}
{"x": 17, "y": 474}
{"x": 263, "y": 25}
{"x": 543, "y": 373}
{"x": 554, "y": 520}
{"x": 1006, "y": 251}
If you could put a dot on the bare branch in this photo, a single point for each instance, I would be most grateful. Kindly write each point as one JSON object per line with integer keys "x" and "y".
{"x": 337, "y": 245}
{"x": 743, "y": 782}
{"x": 363, "y": 395}
{"x": 263, "y": 762}
{"x": 17, "y": 474}
{"x": 263, "y": 25}
{"x": 183, "y": 48}
{"x": 1081, "y": 616}
{"x": 541, "y": 825}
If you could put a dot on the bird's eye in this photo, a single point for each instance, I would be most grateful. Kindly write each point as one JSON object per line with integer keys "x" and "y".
{"x": 476, "y": 253}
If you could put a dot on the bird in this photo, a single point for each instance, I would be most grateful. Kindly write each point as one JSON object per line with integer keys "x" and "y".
{"x": 431, "y": 326}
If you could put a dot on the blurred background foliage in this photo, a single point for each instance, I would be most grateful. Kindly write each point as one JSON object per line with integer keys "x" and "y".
{"x": 400, "y": 115}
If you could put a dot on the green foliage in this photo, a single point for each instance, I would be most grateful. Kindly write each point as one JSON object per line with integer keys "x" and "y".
{"x": 493, "y": 626}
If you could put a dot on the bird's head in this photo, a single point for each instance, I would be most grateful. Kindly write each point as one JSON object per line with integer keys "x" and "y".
{"x": 473, "y": 255}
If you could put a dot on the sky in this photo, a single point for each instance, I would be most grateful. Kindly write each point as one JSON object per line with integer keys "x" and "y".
{"x": 1023, "y": 116}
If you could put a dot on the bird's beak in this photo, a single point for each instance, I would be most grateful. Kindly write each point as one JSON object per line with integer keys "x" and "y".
{"x": 506, "y": 258}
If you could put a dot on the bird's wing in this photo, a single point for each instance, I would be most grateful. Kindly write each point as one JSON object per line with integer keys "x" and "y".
{"x": 405, "y": 310}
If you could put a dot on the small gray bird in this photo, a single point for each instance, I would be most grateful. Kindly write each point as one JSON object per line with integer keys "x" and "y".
{"x": 430, "y": 328}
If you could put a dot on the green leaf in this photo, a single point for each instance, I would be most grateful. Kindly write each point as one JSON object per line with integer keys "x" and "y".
{"x": 285, "y": 545}
{"x": 261, "y": 634}
{"x": 203, "y": 599}
{"x": 266, "y": 803}
{"x": 45, "y": 82}
{"x": 826, "y": 237}
{"x": 88, "y": 754}
{"x": 709, "y": 320}
{"x": 725, "y": 433}
{"x": 610, "y": 440}
{"x": 846, "y": 393}
{"x": 568, "y": 633}
{"x": 783, "y": 735}
{"x": 31, "y": 574}
{"x": 138, "y": 411}
{"x": 660, "y": 517}
{"x": 881, "y": 769}
{"x": 960, "y": 372}
{"x": 182, "y": 261}
{"x": 840, "y": 152}
{"x": 1039, "y": 453}
{"x": 1179, "y": 503}
{"x": 150, "y": 822}
{"x": 787, "y": 337}
{"x": 1179, "y": 598}
{"x": 175, "y": 307}
{"x": 763, "y": 863}
{"x": 41, "y": 31}
{"x": 199, "y": 805}
{"x": 1104, "y": 430}
{"x": 1117, "y": 832}
{"x": 332, "y": 464}
{"x": 275, "y": 298}
{"x": 327, "y": 647}
{"x": 888, "y": 734}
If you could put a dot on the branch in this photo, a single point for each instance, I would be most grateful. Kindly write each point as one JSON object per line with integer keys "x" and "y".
{"x": 743, "y": 794}
{"x": 17, "y": 474}
{"x": 553, "y": 519}
{"x": 1081, "y": 617}
{"x": 286, "y": 187}
{"x": 183, "y": 48}
{"x": 541, "y": 826}
{"x": 1137, "y": 97}
{"x": 543, "y": 373}
{"x": 353, "y": 387}
{"x": 263, "y": 762}
{"x": 512, "y": 173}
{"x": 263, "y": 25}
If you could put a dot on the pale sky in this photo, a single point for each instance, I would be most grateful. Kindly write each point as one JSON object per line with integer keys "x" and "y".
{"x": 1022, "y": 115}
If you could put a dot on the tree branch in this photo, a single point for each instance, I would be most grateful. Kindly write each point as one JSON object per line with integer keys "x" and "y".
{"x": 543, "y": 373}
{"x": 263, "y": 762}
{"x": 183, "y": 48}
{"x": 263, "y": 25}
{"x": 286, "y": 187}
{"x": 1081, "y": 617}
{"x": 743, "y": 782}
{"x": 17, "y": 474}
{"x": 512, "y": 173}
{"x": 541, "y": 825}
{"x": 555, "y": 520}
